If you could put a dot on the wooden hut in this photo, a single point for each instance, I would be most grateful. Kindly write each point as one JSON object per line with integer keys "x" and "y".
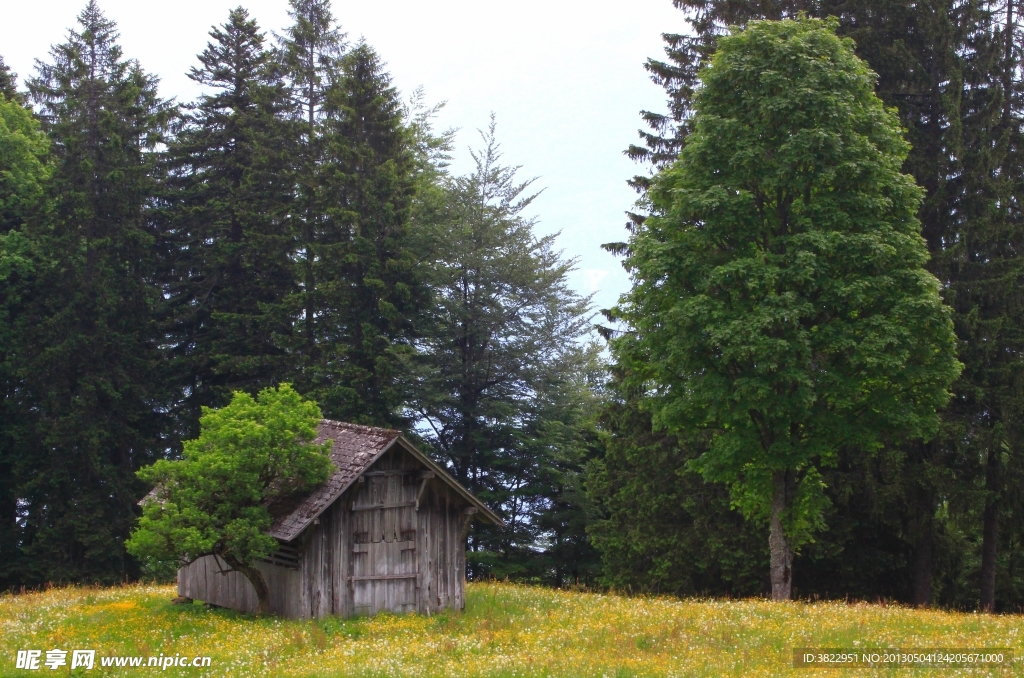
{"x": 386, "y": 532}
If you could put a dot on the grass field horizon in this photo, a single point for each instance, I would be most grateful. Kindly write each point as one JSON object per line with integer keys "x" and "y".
{"x": 506, "y": 630}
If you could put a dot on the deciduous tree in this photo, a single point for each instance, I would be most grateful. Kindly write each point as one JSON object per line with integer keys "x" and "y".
{"x": 24, "y": 173}
{"x": 780, "y": 300}
{"x": 952, "y": 69}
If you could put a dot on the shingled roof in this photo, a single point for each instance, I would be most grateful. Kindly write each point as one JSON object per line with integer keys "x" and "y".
{"x": 354, "y": 449}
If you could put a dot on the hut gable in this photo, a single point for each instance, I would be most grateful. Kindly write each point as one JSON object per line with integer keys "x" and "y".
{"x": 355, "y": 448}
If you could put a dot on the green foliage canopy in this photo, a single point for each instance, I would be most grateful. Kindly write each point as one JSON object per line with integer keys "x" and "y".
{"x": 953, "y": 72}
{"x": 215, "y": 499}
{"x": 24, "y": 171}
{"x": 23, "y": 168}
{"x": 780, "y": 300}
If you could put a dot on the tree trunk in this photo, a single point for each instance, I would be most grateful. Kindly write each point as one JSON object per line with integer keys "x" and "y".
{"x": 259, "y": 584}
{"x": 990, "y": 517}
{"x": 922, "y": 521}
{"x": 923, "y": 565}
{"x": 990, "y": 529}
{"x": 989, "y": 533}
{"x": 778, "y": 544}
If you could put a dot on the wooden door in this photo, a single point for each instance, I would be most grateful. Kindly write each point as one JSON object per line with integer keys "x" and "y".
{"x": 384, "y": 574}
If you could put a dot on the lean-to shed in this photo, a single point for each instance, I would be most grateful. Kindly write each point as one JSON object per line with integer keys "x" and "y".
{"x": 387, "y": 532}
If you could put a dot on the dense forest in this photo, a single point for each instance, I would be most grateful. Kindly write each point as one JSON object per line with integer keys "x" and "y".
{"x": 299, "y": 223}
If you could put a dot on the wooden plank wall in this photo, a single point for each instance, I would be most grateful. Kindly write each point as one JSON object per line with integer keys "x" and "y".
{"x": 324, "y": 550}
{"x": 315, "y": 570}
{"x": 341, "y": 593}
{"x": 383, "y": 522}
{"x": 322, "y": 586}
{"x": 206, "y": 580}
{"x": 443, "y": 557}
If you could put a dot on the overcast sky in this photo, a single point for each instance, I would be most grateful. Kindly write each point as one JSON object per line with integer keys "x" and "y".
{"x": 564, "y": 78}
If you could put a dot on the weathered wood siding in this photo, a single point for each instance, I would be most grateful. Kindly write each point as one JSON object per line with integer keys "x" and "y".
{"x": 394, "y": 541}
{"x": 442, "y": 558}
{"x": 382, "y": 542}
{"x": 207, "y": 579}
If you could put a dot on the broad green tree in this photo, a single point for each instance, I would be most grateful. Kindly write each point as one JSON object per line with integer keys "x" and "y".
{"x": 952, "y": 69}
{"x": 24, "y": 172}
{"x": 23, "y": 169}
{"x": 780, "y": 300}
{"x": 91, "y": 364}
{"x": 214, "y": 500}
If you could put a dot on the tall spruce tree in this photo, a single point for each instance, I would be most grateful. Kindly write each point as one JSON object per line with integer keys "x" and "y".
{"x": 368, "y": 290}
{"x": 8, "y": 82}
{"x": 499, "y": 395}
{"x": 228, "y": 201}
{"x": 979, "y": 254}
{"x": 664, "y": 529}
{"x": 310, "y": 52}
{"x": 90, "y": 361}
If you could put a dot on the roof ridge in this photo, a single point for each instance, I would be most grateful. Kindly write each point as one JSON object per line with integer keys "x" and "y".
{"x": 350, "y": 425}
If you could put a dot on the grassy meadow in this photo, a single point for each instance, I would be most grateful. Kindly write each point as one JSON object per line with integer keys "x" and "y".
{"x": 506, "y": 630}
